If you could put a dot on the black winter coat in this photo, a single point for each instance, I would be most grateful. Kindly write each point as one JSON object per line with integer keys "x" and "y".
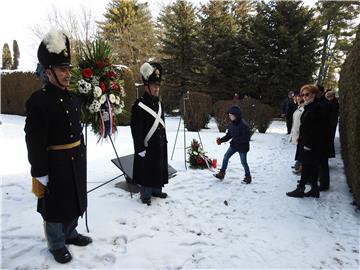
{"x": 327, "y": 143}
{"x": 53, "y": 118}
{"x": 310, "y": 134}
{"x": 334, "y": 115}
{"x": 151, "y": 170}
{"x": 238, "y": 131}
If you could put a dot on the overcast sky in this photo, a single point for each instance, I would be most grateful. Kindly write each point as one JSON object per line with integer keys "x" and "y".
{"x": 18, "y": 16}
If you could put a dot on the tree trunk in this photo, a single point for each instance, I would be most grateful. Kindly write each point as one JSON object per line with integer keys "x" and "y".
{"x": 324, "y": 55}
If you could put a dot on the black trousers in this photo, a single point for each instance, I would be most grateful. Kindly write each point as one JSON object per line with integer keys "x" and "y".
{"x": 289, "y": 124}
{"x": 324, "y": 176}
{"x": 309, "y": 174}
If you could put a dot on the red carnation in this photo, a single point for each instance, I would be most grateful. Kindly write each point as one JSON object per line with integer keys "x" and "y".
{"x": 87, "y": 73}
{"x": 99, "y": 64}
{"x": 103, "y": 87}
{"x": 114, "y": 86}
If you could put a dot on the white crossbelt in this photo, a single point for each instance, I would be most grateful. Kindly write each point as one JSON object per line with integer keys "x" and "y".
{"x": 158, "y": 120}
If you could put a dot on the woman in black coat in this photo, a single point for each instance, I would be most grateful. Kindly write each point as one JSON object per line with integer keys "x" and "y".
{"x": 309, "y": 146}
{"x": 148, "y": 131}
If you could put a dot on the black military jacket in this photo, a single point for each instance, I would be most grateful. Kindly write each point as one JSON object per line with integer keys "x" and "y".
{"x": 151, "y": 170}
{"x": 53, "y": 118}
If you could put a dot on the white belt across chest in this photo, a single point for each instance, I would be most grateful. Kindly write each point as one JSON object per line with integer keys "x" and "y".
{"x": 157, "y": 120}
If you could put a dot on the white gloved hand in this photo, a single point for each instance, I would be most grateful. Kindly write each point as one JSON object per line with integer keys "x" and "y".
{"x": 307, "y": 148}
{"x": 142, "y": 154}
{"x": 43, "y": 180}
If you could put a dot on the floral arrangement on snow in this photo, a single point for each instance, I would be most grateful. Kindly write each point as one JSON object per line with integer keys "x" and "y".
{"x": 197, "y": 157}
{"x": 98, "y": 83}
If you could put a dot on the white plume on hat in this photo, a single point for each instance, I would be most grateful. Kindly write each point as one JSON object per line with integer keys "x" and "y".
{"x": 146, "y": 70}
{"x": 55, "y": 40}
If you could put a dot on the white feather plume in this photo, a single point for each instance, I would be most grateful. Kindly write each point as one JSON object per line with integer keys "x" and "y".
{"x": 146, "y": 70}
{"x": 55, "y": 40}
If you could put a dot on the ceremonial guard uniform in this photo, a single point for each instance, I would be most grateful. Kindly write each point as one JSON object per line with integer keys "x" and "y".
{"x": 56, "y": 149}
{"x": 148, "y": 130}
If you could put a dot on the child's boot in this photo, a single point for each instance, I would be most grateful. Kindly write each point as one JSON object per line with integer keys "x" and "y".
{"x": 247, "y": 180}
{"x": 220, "y": 174}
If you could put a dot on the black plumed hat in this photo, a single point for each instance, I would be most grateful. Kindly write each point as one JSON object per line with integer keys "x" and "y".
{"x": 54, "y": 50}
{"x": 151, "y": 72}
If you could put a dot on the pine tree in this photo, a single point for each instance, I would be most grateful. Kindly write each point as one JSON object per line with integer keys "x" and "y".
{"x": 336, "y": 19}
{"x": 282, "y": 47}
{"x": 129, "y": 30}
{"x": 218, "y": 35}
{"x": 6, "y": 57}
{"x": 16, "y": 55}
{"x": 178, "y": 35}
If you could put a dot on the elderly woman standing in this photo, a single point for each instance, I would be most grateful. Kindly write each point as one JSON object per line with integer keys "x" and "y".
{"x": 295, "y": 129}
{"x": 309, "y": 149}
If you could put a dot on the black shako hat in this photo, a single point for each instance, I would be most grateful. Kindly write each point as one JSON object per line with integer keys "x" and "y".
{"x": 151, "y": 72}
{"x": 54, "y": 50}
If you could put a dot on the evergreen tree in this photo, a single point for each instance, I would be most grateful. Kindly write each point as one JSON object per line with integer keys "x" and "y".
{"x": 336, "y": 19}
{"x": 178, "y": 35}
{"x": 282, "y": 48}
{"x": 218, "y": 35}
{"x": 16, "y": 55}
{"x": 242, "y": 11}
{"x": 6, "y": 57}
{"x": 129, "y": 30}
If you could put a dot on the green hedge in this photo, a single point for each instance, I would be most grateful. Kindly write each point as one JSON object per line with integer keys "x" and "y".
{"x": 130, "y": 89}
{"x": 195, "y": 108}
{"x": 257, "y": 115}
{"x": 349, "y": 125}
{"x": 16, "y": 88}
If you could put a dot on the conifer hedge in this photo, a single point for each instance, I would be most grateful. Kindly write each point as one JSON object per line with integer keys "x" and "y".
{"x": 256, "y": 114}
{"x": 196, "y": 109}
{"x": 16, "y": 88}
{"x": 349, "y": 125}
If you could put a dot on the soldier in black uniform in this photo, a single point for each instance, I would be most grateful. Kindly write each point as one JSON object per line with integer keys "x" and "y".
{"x": 56, "y": 149}
{"x": 148, "y": 131}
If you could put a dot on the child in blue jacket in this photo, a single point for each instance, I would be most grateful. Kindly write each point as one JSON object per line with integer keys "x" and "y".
{"x": 239, "y": 132}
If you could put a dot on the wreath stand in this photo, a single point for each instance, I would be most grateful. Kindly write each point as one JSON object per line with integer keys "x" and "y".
{"x": 187, "y": 98}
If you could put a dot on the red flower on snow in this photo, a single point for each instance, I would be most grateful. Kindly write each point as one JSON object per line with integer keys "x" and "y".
{"x": 199, "y": 160}
{"x": 87, "y": 73}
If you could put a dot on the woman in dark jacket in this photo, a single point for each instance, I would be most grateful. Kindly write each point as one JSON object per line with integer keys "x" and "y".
{"x": 309, "y": 146}
{"x": 239, "y": 132}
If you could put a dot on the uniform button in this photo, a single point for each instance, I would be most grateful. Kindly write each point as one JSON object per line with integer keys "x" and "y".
{"x": 71, "y": 135}
{"x": 61, "y": 100}
{"x": 72, "y": 158}
{"x": 70, "y": 124}
{"x": 76, "y": 109}
{"x": 79, "y": 122}
{"x": 67, "y": 111}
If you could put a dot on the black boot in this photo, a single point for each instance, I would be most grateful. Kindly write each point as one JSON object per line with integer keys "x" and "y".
{"x": 313, "y": 192}
{"x": 80, "y": 240}
{"x": 297, "y": 193}
{"x": 161, "y": 195}
{"x": 146, "y": 201}
{"x": 247, "y": 180}
{"x": 61, "y": 255}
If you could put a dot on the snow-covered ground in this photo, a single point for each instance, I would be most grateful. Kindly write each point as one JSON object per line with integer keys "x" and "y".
{"x": 204, "y": 223}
